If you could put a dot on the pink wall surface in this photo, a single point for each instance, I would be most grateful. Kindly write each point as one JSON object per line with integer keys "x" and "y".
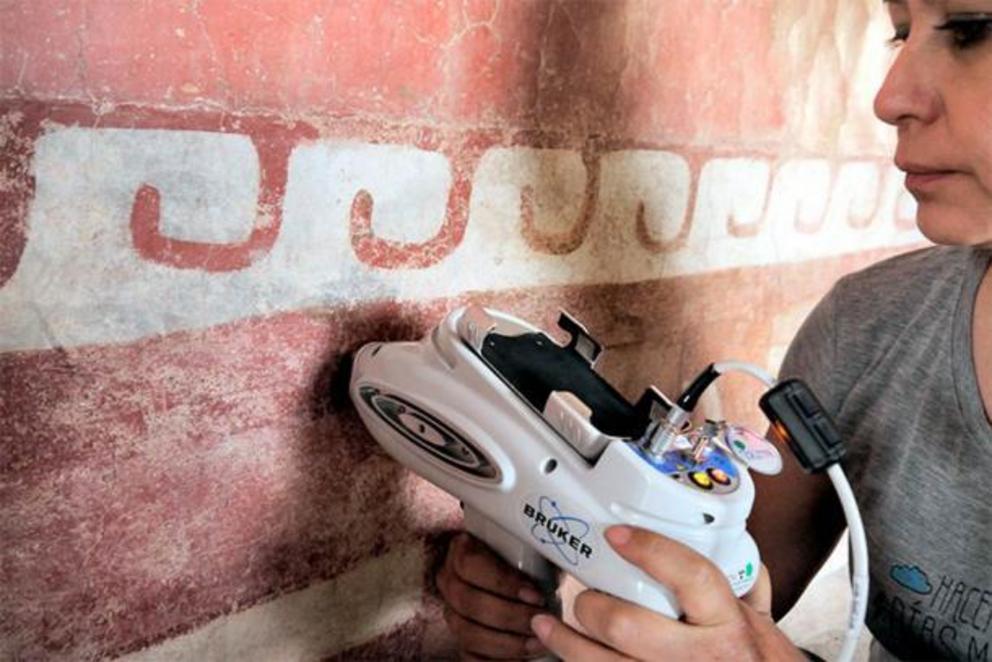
{"x": 206, "y": 206}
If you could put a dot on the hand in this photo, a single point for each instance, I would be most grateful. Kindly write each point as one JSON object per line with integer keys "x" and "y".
{"x": 489, "y": 605}
{"x": 716, "y": 625}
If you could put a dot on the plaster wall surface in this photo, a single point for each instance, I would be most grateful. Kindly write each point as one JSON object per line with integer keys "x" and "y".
{"x": 207, "y": 206}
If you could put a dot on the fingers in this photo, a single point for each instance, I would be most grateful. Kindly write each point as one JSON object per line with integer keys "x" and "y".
{"x": 759, "y": 598}
{"x": 635, "y": 630}
{"x": 484, "y": 609}
{"x": 477, "y": 640}
{"x": 478, "y": 565}
{"x": 568, "y": 644}
{"x": 644, "y": 635}
{"x": 481, "y": 606}
{"x": 699, "y": 587}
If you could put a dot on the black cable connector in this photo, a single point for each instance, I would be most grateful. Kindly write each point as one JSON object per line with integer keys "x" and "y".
{"x": 690, "y": 397}
{"x": 801, "y": 420}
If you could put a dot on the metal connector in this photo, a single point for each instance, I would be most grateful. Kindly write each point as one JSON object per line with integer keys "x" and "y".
{"x": 662, "y": 435}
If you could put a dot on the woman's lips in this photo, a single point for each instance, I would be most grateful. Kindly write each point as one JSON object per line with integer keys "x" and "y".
{"x": 925, "y": 181}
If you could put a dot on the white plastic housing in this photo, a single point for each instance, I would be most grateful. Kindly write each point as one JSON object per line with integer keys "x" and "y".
{"x": 439, "y": 394}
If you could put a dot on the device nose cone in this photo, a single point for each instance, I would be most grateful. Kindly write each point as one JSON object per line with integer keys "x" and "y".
{"x": 365, "y": 353}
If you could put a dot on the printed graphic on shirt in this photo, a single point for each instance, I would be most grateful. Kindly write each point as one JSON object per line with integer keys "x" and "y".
{"x": 911, "y": 578}
{"x": 945, "y": 617}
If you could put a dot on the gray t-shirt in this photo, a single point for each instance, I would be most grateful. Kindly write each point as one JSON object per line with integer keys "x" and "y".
{"x": 889, "y": 352}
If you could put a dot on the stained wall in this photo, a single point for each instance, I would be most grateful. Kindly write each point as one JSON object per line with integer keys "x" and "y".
{"x": 207, "y": 206}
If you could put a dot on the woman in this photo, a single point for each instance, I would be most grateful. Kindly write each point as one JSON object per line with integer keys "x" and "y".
{"x": 901, "y": 354}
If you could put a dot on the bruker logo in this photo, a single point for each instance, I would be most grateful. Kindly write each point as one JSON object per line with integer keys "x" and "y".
{"x": 564, "y": 532}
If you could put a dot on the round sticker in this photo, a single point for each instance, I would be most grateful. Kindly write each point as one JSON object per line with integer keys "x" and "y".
{"x": 753, "y": 450}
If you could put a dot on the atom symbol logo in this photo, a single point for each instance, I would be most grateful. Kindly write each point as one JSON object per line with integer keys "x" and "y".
{"x": 561, "y": 530}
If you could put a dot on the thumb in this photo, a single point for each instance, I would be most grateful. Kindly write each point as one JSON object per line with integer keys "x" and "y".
{"x": 699, "y": 587}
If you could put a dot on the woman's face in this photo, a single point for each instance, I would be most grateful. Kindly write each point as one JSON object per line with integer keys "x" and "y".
{"x": 938, "y": 94}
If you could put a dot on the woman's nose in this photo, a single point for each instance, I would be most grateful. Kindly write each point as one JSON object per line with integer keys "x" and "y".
{"x": 908, "y": 92}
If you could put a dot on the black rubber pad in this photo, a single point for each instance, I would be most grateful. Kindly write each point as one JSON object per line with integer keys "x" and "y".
{"x": 535, "y": 366}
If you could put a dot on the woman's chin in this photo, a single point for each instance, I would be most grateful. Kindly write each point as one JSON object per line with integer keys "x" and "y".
{"x": 951, "y": 225}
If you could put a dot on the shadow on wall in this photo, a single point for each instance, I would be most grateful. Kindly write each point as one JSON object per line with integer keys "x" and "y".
{"x": 361, "y": 520}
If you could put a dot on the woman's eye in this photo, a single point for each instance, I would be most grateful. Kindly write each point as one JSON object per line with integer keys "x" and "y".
{"x": 899, "y": 37}
{"x": 968, "y": 31}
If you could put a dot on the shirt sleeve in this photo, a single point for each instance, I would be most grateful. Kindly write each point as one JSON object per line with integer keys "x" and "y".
{"x": 812, "y": 354}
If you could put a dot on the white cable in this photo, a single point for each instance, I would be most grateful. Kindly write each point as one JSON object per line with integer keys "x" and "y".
{"x": 859, "y": 562}
{"x": 749, "y": 368}
{"x": 855, "y": 527}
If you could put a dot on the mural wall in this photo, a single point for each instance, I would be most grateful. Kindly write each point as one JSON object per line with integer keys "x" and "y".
{"x": 206, "y": 206}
